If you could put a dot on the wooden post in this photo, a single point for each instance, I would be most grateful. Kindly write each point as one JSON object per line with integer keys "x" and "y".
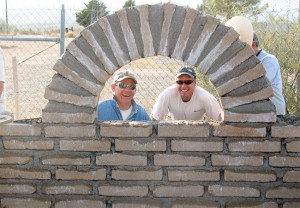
{"x": 16, "y": 87}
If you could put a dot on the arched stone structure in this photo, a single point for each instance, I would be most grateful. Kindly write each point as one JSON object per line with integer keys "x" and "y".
{"x": 150, "y": 30}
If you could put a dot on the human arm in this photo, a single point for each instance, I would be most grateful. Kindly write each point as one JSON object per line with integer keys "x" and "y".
{"x": 160, "y": 108}
{"x": 214, "y": 110}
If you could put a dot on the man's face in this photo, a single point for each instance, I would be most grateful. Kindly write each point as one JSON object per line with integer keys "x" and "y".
{"x": 185, "y": 89}
{"x": 124, "y": 96}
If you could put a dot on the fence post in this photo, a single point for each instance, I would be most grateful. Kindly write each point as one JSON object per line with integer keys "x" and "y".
{"x": 62, "y": 29}
{"x": 16, "y": 87}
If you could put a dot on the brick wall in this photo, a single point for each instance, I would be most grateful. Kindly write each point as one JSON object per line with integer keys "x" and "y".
{"x": 145, "y": 164}
{"x": 71, "y": 160}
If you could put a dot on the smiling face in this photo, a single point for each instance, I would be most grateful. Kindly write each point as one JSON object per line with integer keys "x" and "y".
{"x": 124, "y": 96}
{"x": 185, "y": 91}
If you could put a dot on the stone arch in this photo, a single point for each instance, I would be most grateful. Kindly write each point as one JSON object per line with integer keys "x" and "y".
{"x": 150, "y": 30}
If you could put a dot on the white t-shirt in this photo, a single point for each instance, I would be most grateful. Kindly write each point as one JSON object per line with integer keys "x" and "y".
{"x": 126, "y": 113}
{"x": 202, "y": 103}
{"x": 2, "y": 79}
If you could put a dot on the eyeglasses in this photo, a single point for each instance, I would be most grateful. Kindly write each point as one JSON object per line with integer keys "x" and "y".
{"x": 124, "y": 86}
{"x": 187, "y": 82}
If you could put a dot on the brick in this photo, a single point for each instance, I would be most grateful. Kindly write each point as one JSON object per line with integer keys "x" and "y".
{"x": 125, "y": 129}
{"x": 293, "y": 146}
{"x": 67, "y": 189}
{"x": 292, "y": 176}
{"x": 285, "y": 131}
{"x": 17, "y": 129}
{"x": 98, "y": 72}
{"x": 291, "y": 205}
{"x": 216, "y": 51}
{"x": 17, "y": 189}
{"x": 65, "y": 160}
{"x": 196, "y": 146}
{"x": 79, "y": 117}
{"x": 249, "y": 117}
{"x": 70, "y": 131}
{"x": 140, "y": 145}
{"x": 121, "y": 159}
{"x": 201, "y": 41}
{"x": 163, "y": 49}
{"x": 250, "y": 175}
{"x": 278, "y": 161}
{"x": 255, "y": 146}
{"x": 137, "y": 175}
{"x": 28, "y": 202}
{"x": 118, "y": 190}
{"x": 80, "y": 204}
{"x": 120, "y": 55}
{"x": 193, "y": 175}
{"x": 178, "y": 191}
{"x": 283, "y": 192}
{"x": 19, "y": 159}
{"x": 73, "y": 76}
{"x": 182, "y": 129}
{"x": 137, "y": 204}
{"x": 178, "y": 160}
{"x": 100, "y": 53}
{"x": 85, "y": 145}
{"x": 145, "y": 31}
{"x": 230, "y": 102}
{"x": 239, "y": 131}
{"x": 190, "y": 203}
{"x": 242, "y": 79}
{"x": 128, "y": 35}
{"x": 99, "y": 174}
{"x": 28, "y": 145}
{"x": 24, "y": 173}
{"x": 184, "y": 34}
{"x": 252, "y": 205}
{"x": 67, "y": 97}
{"x": 231, "y": 191}
{"x": 227, "y": 160}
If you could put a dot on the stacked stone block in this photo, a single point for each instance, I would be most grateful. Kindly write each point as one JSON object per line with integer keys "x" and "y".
{"x": 149, "y": 164}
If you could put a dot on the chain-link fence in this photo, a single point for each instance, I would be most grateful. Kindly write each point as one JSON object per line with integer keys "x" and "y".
{"x": 29, "y": 63}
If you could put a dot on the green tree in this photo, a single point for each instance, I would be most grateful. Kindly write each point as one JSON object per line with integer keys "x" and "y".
{"x": 93, "y": 10}
{"x": 129, "y": 3}
{"x": 225, "y": 9}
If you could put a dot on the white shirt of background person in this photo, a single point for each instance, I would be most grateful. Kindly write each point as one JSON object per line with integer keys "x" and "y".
{"x": 2, "y": 83}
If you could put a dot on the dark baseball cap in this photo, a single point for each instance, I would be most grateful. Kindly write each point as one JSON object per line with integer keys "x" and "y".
{"x": 188, "y": 71}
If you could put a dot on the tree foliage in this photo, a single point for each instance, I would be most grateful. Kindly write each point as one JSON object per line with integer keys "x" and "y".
{"x": 93, "y": 10}
{"x": 225, "y": 9}
{"x": 129, "y": 3}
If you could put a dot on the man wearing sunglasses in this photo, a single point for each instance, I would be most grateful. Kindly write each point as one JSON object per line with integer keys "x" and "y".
{"x": 122, "y": 106}
{"x": 186, "y": 101}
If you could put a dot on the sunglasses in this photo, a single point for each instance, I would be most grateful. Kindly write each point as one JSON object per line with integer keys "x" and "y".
{"x": 187, "y": 82}
{"x": 124, "y": 86}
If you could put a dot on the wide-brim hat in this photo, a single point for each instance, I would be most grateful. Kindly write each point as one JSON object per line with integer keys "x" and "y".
{"x": 243, "y": 27}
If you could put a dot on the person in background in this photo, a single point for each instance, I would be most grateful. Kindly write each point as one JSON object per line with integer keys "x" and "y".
{"x": 2, "y": 83}
{"x": 186, "y": 101}
{"x": 273, "y": 74}
{"x": 122, "y": 106}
